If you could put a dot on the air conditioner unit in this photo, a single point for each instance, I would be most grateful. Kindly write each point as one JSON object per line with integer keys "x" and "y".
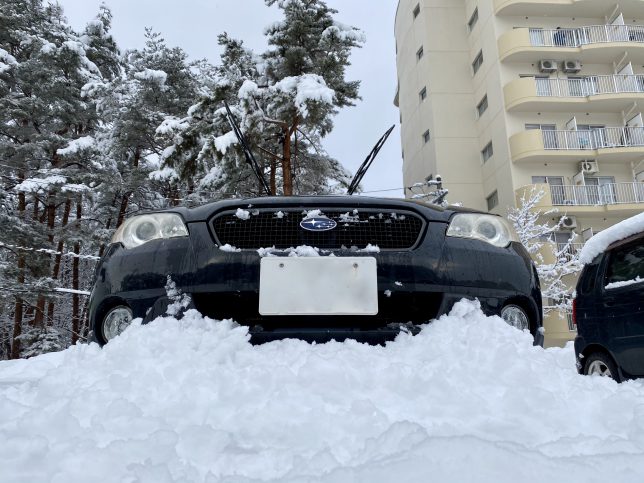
{"x": 589, "y": 167}
{"x": 547, "y": 65}
{"x": 568, "y": 222}
{"x": 571, "y": 66}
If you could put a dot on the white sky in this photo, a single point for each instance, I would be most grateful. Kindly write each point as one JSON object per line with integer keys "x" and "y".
{"x": 194, "y": 25}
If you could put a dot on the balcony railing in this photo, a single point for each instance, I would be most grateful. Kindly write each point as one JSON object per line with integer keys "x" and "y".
{"x": 590, "y": 86}
{"x": 569, "y": 250}
{"x": 591, "y": 34}
{"x": 608, "y": 137}
{"x": 606, "y": 194}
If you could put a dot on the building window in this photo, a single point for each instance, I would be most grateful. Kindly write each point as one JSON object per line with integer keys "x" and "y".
{"x": 492, "y": 200}
{"x": 419, "y": 53}
{"x": 426, "y": 136}
{"x": 416, "y": 10}
{"x": 487, "y": 151}
{"x": 478, "y": 61}
{"x": 482, "y": 106}
{"x": 473, "y": 19}
{"x": 423, "y": 93}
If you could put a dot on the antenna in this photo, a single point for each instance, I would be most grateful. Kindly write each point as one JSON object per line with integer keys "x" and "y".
{"x": 250, "y": 159}
{"x": 362, "y": 170}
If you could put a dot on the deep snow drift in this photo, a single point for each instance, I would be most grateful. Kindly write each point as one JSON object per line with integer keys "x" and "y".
{"x": 468, "y": 399}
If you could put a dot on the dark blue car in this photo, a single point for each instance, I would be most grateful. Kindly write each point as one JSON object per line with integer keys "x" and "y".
{"x": 378, "y": 266}
{"x": 609, "y": 312}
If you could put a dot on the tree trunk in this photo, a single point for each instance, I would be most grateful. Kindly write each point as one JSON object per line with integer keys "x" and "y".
{"x": 58, "y": 257}
{"x": 39, "y": 315}
{"x": 286, "y": 163}
{"x": 75, "y": 277}
{"x": 272, "y": 180}
{"x": 17, "y": 313}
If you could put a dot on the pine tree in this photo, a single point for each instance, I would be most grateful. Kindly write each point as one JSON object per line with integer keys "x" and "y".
{"x": 46, "y": 122}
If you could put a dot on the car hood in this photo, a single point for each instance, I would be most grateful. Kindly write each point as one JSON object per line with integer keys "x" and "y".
{"x": 429, "y": 211}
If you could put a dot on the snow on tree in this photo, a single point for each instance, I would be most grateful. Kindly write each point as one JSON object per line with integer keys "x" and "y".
{"x": 536, "y": 236}
{"x": 285, "y": 100}
{"x": 47, "y": 127}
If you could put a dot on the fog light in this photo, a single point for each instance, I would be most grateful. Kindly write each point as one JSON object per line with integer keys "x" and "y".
{"x": 516, "y": 317}
{"x": 116, "y": 321}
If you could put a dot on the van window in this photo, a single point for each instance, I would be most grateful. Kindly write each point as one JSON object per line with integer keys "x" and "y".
{"x": 589, "y": 276}
{"x": 626, "y": 263}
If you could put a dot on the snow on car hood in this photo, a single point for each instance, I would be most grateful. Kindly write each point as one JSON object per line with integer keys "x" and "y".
{"x": 602, "y": 240}
{"x": 468, "y": 399}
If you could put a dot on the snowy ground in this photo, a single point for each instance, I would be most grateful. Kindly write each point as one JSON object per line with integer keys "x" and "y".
{"x": 469, "y": 399}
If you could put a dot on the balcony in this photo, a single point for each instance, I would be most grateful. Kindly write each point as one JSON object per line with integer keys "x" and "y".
{"x": 564, "y": 8}
{"x": 606, "y": 144}
{"x": 590, "y": 44}
{"x": 612, "y": 198}
{"x": 597, "y": 93}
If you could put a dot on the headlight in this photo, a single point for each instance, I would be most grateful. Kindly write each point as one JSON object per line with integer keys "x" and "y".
{"x": 489, "y": 228}
{"x": 141, "y": 229}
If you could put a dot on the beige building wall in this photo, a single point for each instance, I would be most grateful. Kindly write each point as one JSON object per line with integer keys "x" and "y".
{"x": 605, "y": 37}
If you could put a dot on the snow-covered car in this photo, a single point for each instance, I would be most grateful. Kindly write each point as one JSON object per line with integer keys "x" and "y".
{"x": 316, "y": 268}
{"x": 609, "y": 304}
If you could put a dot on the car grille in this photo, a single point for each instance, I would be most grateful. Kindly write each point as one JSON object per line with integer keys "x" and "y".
{"x": 387, "y": 229}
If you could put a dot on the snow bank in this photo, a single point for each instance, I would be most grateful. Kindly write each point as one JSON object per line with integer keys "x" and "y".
{"x": 468, "y": 399}
{"x": 600, "y": 242}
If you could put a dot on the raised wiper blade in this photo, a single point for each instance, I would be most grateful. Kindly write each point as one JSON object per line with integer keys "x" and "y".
{"x": 362, "y": 170}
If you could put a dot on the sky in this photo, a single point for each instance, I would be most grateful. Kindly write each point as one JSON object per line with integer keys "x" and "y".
{"x": 194, "y": 25}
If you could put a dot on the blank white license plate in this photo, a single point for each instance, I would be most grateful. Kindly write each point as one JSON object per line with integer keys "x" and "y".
{"x": 318, "y": 286}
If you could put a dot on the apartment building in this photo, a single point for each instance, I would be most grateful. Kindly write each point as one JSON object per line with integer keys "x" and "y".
{"x": 500, "y": 96}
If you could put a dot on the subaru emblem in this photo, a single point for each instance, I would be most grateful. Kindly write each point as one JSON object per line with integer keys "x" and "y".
{"x": 318, "y": 224}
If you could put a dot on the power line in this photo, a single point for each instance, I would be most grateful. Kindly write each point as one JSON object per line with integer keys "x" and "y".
{"x": 49, "y": 251}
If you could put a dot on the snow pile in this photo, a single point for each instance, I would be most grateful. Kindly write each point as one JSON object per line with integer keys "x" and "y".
{"x": 76, "y": 145}
{"x": 223, "y": 142}
{"x": 306, "y": 88}
{"x": 600, "y": 242}
{"x": 6, "y": 61}
{"x": 242, "y": 214}
{"x": 625, "y": 283}
{"x": 164, "y": 174}
{"x": 40, "y": 184}
{"x": 468, "y": 399}
{"x": 157, "y": 76}
{"x": 229, "y": 248}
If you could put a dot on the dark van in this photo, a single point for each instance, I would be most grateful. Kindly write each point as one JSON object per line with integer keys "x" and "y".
{"x": 609, "y": 312}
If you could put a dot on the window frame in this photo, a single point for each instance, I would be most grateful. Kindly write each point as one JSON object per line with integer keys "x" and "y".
{"x": 474, "y": 19}
{"x": 628, "y": 246}
{"x": 494, "y": 196}
{"x": 477, "y": 62}
{"x": 480, "y": 112}
{"x": 485, "y": 149}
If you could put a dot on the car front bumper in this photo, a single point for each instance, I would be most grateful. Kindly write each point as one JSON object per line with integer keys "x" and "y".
{"x": 414, "y": 286}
